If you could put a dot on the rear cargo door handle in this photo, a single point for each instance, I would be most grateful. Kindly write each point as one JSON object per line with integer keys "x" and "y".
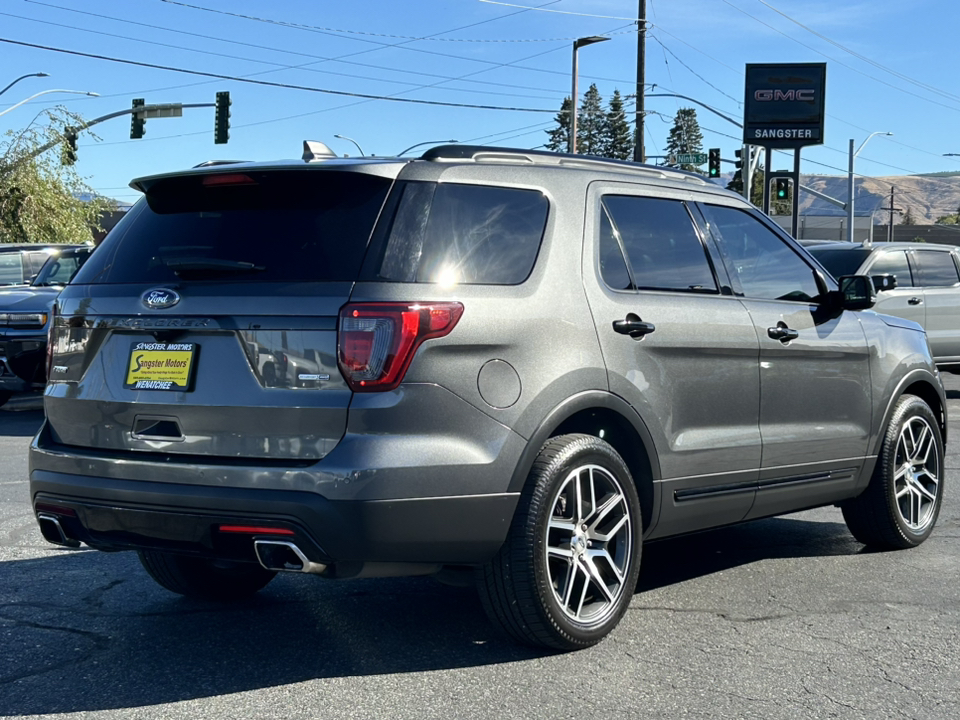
{"x": 633, "y": 326}
{"x": 915, "y": 301}
{"x": 782, "y": 333}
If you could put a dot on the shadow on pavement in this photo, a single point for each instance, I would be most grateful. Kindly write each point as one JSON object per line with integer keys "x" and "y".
{"x": 20, "y": 423}
{"x": 87, "y": 631}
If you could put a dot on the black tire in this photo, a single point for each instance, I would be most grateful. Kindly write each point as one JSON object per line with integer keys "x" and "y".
{"x": 202, "y": 578}
{"x": 533, "y": 598}
{"x": 900, "y": 506}
{"x": 4, "y": 396}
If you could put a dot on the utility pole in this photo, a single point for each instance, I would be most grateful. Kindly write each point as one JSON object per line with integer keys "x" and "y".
{"x": 892, "y": 210}
{"x": 639, "y": 152}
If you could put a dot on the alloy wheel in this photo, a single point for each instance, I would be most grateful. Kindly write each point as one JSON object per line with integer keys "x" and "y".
{"x": 916, "y": 481}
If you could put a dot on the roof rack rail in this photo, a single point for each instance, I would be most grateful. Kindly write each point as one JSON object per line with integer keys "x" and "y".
{"x": 210, "y": 163}
{"x": 483, "y": 153}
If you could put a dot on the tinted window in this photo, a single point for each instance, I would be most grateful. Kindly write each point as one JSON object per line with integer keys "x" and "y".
{"x": 267, "y": 226}
{"x": 464, "y": 234}
{"x": 663, "y": 249}
{"x": 841, "y": 261}
{"x": 766, "y": 266}
{"x": 893, "y": 263}
{"x": 11, "y": 268}
{"x": 613, "y": 268}
{"x": 937, "y": 269}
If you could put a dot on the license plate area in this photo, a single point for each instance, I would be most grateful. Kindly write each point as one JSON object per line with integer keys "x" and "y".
{"x": 161, "y": 366}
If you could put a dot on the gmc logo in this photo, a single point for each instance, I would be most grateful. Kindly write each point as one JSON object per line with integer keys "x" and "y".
{"x": 803, "y": 95}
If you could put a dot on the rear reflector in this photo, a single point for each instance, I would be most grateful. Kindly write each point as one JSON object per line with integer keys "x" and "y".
{"x": 42, "y": 507}
{"x": 255, "y": 530}
{"x": 377, "y": 341}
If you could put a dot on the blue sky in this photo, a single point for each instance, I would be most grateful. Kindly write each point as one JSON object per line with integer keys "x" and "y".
{"x": 890, "y": 67}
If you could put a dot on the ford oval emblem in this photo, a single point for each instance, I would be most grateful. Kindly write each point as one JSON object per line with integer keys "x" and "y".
{"x": 160, "y": 298}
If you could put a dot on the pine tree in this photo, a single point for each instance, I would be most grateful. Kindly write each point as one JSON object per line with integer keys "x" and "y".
{"x": 619, "y": 139}
{"x": 908, "y": 218}
{"x": 756, "y": 192}
{"x": 685, "y": 136}
{"x": 560, "y": 135}
{"x": 591, "y": 124}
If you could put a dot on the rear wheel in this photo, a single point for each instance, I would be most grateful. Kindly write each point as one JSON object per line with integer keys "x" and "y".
{"x": 569, "y": 566}
{"x": 900, "y": 505}
{"x": 4, "y": 396}
{"x": 204, "y": 578}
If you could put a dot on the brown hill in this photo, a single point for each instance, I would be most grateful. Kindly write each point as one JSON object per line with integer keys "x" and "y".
{"x": 927, "y": 197}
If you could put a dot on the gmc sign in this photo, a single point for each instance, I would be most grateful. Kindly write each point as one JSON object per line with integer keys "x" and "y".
{"x": 784, "y": 104}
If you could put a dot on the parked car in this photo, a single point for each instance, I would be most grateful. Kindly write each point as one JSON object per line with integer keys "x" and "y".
{"x": 526, "y": 365}
{"x": 927, "y": 286}
{"x": 20, "y": 262}
{"x": 24, "y": 320}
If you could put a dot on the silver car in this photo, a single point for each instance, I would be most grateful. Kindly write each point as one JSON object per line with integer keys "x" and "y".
{"x": 512, "y": 364}
{"x": 927, "y": 286}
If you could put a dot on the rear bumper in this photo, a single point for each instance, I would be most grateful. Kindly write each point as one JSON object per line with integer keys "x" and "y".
{"x": 112, "y": 514}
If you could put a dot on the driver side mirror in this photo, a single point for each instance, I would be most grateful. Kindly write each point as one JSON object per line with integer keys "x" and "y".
{"x": 884, "y": 282}
{"x": 857, "y": 292}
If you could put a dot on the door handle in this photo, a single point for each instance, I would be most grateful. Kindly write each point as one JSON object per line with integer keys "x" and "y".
{"x": 633, "y": 326}
{"x": 915, "y": 301}
{"x": 782, "y": 333}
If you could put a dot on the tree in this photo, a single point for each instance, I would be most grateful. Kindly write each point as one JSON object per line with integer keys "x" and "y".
{"x": 618, "y": 136}
{"x": 756, "y": 192}
{"x": 40, "y": 199}
{"x": 591, "y": 123}
{"x": 908, "y": 218}
{"x": 560, "y": 135}
{"x": 685, "y": 136}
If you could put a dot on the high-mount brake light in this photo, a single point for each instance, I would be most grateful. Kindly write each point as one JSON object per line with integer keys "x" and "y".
{"x": 377, "y": 341}
{"x": 227, "y": 179}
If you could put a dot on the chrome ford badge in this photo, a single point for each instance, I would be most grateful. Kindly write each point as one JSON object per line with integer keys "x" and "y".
{"x": 160, "y": 298}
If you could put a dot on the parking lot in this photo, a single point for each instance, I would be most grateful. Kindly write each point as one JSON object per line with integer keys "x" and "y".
{"x": 781, "y": 618}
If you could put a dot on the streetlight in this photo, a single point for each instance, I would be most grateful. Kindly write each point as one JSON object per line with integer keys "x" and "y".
{"x": 951, "y": 154}
{"x": 851, "y": 181}
{"x": 74, "y": 92}
{"x": 577, "y": 44}
{"x": 428, "y": 142}
{"x": 344, "y": 137}
{"x": 22, "y": 77}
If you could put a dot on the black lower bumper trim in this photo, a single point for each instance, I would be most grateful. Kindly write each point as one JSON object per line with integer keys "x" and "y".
{"x": 115, "y": 514}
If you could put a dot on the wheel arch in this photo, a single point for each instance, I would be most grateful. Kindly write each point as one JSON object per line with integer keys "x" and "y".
{"x": 614, "y": 421}
{"x": 925, "y": 386}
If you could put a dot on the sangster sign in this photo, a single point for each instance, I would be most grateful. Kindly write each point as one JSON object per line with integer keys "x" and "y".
{"x": 784, "y": 104}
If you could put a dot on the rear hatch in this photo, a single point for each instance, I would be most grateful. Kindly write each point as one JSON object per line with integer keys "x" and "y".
{"x": 206, "y": 323}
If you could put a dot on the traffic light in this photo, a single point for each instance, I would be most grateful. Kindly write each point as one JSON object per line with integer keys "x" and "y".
{"x": 221, "y": 120}
{"x": 783, "y": 188}
{"x": 68, "y": 155}
{"x": 137, "y": 121}
{"x": 714, "y": 164}
{"x": 738, "y": 163}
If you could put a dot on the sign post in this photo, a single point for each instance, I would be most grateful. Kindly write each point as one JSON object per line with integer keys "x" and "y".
{"x": 784, "y": 108}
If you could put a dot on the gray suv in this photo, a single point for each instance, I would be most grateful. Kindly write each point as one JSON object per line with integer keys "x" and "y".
{"x": 509, "y": 364}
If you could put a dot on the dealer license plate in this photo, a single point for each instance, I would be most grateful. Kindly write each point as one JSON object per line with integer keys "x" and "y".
{"x": 160, "y": 366}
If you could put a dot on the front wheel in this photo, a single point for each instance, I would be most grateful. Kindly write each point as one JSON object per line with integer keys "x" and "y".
{"x": 569, "y": 566}
{"x": 900, "y": 505}
{"x": 203, "y": 578}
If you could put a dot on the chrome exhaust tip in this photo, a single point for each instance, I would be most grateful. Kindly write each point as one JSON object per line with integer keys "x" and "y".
{"x": 284, "y": 556}
{"x": 53, "y": 532}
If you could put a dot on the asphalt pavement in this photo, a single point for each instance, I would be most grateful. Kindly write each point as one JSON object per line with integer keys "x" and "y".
{"x": 781, "y": 618}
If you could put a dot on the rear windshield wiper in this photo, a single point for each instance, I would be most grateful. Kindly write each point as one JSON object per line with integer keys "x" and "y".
{"x": 212, "y": 264}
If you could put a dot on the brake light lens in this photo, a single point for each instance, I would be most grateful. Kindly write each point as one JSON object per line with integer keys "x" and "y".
{"x": 377, "y": 341}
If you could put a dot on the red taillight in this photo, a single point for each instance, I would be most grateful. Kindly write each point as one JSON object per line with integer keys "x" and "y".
{"x": 255, "y": 530}
{"x": 227, "y": 179}
{"x": 51, "y": 338}
{"x": 377, "y": 341}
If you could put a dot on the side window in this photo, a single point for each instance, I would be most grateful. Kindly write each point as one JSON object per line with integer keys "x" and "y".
{"x": 893, "y": 263}
{"x": 663, "y": 249}
{"x": 937, "y": 269}
{"x": 767, "y": 267}
{"x": 464, "y": 234}
{"x": 11, "y": 268}
{"x": 613, "y": 268}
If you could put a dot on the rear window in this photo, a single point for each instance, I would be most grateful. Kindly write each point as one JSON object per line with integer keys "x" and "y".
{"x": 464, "y": 234}
{"x": 840, "y": 262}
{"x": 267, "y": 226}
{"x": 11, "y": 268}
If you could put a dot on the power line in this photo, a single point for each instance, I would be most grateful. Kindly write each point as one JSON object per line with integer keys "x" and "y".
{"x": 560, "y": 12}
{"x": 703, "y": 79}
{"x": 286, "y": 86}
